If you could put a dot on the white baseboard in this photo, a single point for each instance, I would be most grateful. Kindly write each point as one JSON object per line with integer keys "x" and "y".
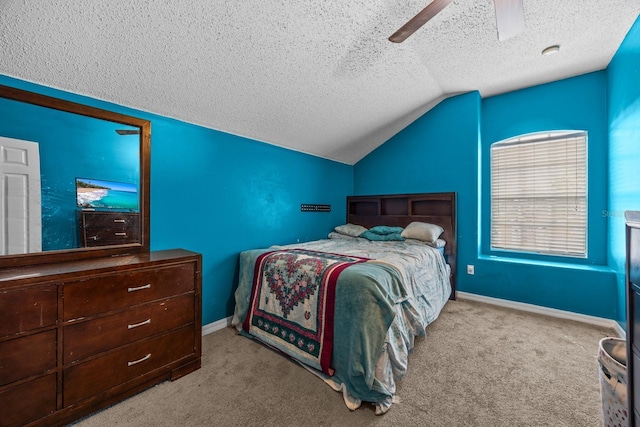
{"x": 217, "y": 325}
{"x": 584, "y": 318}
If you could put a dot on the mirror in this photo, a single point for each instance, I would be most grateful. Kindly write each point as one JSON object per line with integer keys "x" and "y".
{"x": 70, "y": 172}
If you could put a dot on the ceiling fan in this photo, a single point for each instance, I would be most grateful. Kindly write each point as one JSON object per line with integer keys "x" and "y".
{"x": 509, "y": 19}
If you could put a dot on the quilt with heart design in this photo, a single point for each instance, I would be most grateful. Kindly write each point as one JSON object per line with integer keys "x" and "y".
{"x": 292, "y": 303}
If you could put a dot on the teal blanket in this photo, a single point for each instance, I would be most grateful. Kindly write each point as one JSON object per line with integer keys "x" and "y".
{"x": 366, "y": 296}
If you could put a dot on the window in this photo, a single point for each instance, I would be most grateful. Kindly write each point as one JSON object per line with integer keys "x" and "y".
{"x": 539, "y": 194}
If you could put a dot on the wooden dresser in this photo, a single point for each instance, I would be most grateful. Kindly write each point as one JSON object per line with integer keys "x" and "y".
{"x": 633, "y": 315}
{"x": 100, "y": 228}
{"x": 77, "y": 336}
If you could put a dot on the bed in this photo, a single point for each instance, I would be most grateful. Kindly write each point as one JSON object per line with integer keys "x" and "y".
{"x": 349, "y": 307}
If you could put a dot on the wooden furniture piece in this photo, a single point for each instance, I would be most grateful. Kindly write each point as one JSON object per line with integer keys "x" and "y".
{"x": 73, "y": 112}
{"x": 83, "y": 328}
{"x": 77, "y": 336}
{"x": 102, "y": 228}
{"x": 399, "y": 210}
{"x": 633, "y": 315}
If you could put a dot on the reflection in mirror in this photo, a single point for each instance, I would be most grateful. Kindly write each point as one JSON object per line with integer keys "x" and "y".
{"x": 74, "y": 177}
{"x": 70, "y": 146}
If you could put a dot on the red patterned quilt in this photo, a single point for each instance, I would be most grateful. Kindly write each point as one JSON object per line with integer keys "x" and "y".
{"x": 292, "y": 303}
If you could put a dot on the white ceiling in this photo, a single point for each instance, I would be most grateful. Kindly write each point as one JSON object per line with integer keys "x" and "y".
{"x": 316, "y": 76}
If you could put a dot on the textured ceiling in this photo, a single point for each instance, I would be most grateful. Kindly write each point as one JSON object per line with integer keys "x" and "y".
{"x": 316, "y": 76}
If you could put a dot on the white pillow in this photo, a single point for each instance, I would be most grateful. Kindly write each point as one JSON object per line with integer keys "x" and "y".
{"x": 422, "y": 231}
{"x": 439, "y": 244}
{"x": 352, "y": 230}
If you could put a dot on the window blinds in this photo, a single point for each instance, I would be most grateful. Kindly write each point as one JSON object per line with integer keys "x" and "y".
{"x": 539, "y": 194}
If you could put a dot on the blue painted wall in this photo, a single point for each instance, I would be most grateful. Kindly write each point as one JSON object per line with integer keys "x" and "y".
{"x": 579, "y": 285}
{"x": 623, "y": 77}
{"x": 447, "y": 150}
{"x": 578, "y": 103}
{"x": 219, "y": 194}
{"x": 436, "y": 153}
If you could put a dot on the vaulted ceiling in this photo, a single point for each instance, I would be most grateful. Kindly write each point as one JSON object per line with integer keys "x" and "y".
{"x": 315, "y": 76}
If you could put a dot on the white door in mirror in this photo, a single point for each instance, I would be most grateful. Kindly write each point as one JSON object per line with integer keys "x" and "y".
{"x": 20, "y": 200}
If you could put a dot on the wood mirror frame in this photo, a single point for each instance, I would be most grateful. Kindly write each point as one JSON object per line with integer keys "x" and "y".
{"x": 7, "y": 261}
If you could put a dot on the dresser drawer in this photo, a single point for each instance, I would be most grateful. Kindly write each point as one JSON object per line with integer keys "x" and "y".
{"x": 28, "y": 401}
{"x": 636, "y": 378}
{"x": 89, "y": 378}
{"x": 26, "y": 356}
{"x": 109, "y": 228}
{"x": 114, "y": 220}
{"x": 27, "y": 309}
{"x": 108, "y": 236}
{"x": 112, "y": 292}
{"x": 85, "y": 339}
{"x": 634, "y": 303}
{"x": 634, "y": 256}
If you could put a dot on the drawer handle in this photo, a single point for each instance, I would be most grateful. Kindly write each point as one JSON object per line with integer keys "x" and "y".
{"x": 121, "y": 234}
{"x": 118, "y": 220}
{"x": 135, "y": 362}
{"x": 139, "y": 288}
{"x": 136, "y": 325}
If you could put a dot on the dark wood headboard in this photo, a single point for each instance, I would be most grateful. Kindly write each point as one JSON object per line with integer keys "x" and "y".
{"x": 401, "y": 209}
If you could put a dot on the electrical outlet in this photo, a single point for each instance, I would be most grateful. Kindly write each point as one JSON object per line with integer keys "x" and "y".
{"x": 470, "y": 269}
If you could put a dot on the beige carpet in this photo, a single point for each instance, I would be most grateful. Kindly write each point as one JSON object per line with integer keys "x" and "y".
{"x": 479, "y": 365}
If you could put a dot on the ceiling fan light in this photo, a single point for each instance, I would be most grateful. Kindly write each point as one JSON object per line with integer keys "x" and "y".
{"x": 550, "y": 50}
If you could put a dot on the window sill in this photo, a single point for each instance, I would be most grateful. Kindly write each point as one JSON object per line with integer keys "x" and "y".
{"x": 556, "y": 264}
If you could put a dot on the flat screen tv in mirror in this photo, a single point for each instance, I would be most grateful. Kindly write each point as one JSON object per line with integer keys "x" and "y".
{"x": 103, "y": 194}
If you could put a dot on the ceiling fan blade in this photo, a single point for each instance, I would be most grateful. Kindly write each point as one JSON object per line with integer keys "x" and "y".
{"x": 509, "y": 18}
{"x": 127, "y": 132}
{"x": 419, "y": 20}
